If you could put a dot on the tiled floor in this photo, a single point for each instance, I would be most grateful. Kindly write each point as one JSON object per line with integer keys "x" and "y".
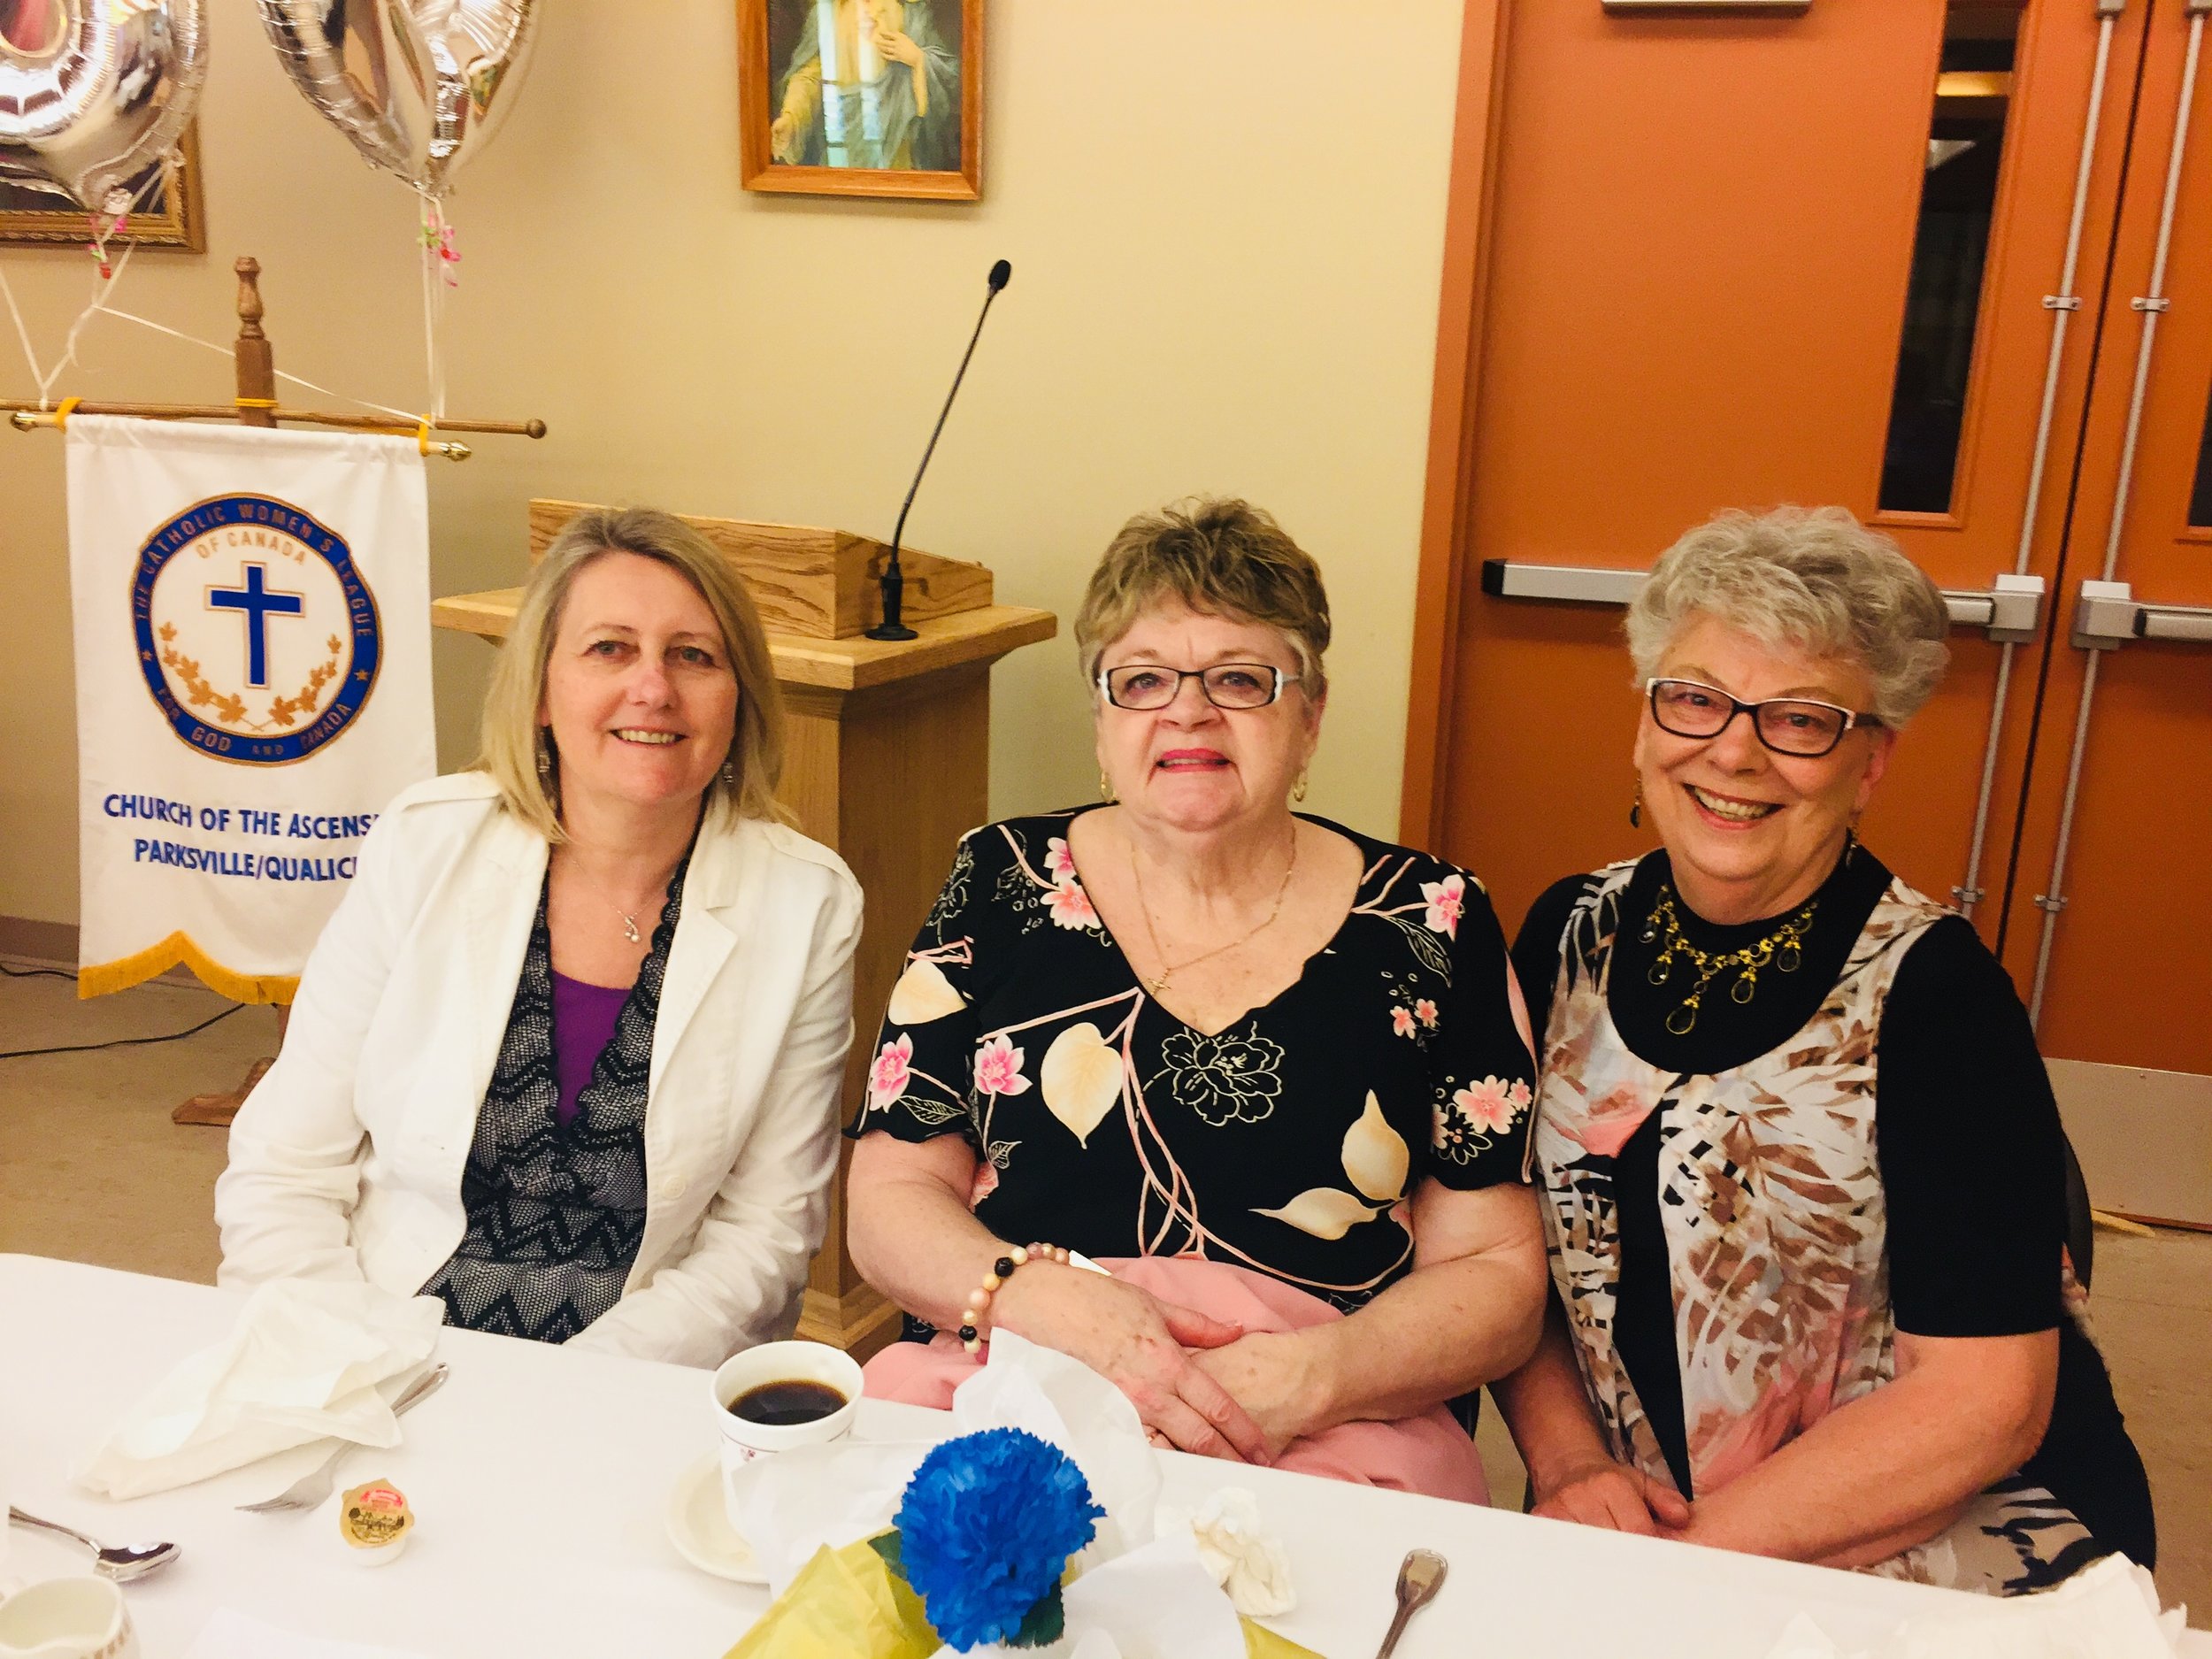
{"x": 92, "y": 1169}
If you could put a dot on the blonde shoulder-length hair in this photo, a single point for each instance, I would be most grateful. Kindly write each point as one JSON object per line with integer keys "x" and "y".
{"x": 745, "y": 786}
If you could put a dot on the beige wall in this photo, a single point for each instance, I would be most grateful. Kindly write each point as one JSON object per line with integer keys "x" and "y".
{"x": 1226, "y": 219}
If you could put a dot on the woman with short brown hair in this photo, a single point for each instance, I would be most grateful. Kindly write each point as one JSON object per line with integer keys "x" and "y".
{"x": 1189, "y": 1027}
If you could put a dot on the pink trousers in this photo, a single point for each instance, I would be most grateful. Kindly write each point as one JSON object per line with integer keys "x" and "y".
{"x": 1429, "y": 1453}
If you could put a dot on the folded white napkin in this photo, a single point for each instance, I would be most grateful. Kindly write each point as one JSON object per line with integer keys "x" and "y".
{"x": 1135, "y": 1598}
{"x": 2106, "y": 1611}
{"x": 304, "y": 1362}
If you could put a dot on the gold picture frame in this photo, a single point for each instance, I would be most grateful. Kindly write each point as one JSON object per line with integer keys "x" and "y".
{"x": 893, "y": 131}
{"x": 174, "y": 216}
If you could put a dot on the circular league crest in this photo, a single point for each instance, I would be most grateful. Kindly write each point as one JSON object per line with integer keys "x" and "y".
{"x": 257, "y": 636}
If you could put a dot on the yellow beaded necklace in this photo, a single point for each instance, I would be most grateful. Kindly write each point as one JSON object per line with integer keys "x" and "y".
{"x": 1783, "y": 949}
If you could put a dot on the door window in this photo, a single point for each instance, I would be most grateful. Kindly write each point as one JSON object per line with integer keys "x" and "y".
{"x": 1935, "y": 358}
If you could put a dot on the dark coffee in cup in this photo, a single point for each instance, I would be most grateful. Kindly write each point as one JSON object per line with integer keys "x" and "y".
{"x": 787, "y": 1402}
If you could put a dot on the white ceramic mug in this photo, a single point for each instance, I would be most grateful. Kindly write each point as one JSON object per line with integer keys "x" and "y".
{"x": 780, "y": 1362}
{"x": 67, "y": 1619}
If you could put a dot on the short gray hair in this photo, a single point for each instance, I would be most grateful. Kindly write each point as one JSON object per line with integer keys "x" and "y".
{"x": 1807, "y": 579}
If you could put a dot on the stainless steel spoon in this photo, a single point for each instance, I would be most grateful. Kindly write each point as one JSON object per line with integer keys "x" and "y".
{"x": 1420, "y": 1575}
{"x": 120, "y": 1561}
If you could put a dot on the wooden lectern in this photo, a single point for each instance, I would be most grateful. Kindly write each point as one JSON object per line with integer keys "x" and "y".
{"x": 888, "y": 762}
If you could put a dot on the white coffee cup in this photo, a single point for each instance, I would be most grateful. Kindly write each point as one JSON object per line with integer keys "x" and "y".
{"x": 782, "y": 1362}
{"x": 67, "y": 1619}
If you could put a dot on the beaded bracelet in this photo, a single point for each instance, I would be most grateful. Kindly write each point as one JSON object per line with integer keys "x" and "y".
{"x": 971, "y": 1338}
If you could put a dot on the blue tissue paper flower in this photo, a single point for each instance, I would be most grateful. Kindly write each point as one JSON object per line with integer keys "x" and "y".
{"x": 987, "y": 1526}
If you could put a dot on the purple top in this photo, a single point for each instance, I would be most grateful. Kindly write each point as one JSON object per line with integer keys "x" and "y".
{"x": 584, "y": 1018}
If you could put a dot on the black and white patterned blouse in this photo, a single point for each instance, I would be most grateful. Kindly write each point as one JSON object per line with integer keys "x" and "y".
{"x": 557, "y": 1210}
{"x": 1285, "y": 1142}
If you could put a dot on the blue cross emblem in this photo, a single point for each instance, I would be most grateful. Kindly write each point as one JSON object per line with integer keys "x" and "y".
{"x": 259, "y": 605}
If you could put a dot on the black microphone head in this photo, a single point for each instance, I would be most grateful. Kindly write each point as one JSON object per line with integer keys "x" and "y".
{"x": 1002, "y": 274}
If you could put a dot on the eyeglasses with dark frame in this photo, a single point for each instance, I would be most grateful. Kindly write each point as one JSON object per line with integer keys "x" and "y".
{"x": 1145, "y": 686}
{"x": 1801, "y": 727}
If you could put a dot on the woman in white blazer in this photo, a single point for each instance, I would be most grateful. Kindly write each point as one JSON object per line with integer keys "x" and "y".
{"x": 568, "y": 1053}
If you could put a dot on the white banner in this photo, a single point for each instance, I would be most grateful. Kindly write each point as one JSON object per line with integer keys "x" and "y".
{"x": 253, "y": 686}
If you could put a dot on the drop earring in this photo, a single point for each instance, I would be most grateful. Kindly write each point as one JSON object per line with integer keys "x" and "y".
{"x": 545, "y": 754}
{"x": 1298, "y": 789}
{"x": 1105, "y": 788}
{"x": 729, "y": 774}
{"x": 1636, "y": 807}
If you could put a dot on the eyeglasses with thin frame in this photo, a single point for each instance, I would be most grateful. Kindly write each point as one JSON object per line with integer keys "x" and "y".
{"x": 1803, "y": 727}
{"x": 1226, "y": 685}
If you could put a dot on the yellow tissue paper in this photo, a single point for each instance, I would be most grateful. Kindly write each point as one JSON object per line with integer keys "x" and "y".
{"x": 844, "y": 1604}
{"x": 848, "y": 1604}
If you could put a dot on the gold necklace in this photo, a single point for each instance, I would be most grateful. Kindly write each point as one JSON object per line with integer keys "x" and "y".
{"x": 1783, "y": 949}
{"x": 1136, "y": 873}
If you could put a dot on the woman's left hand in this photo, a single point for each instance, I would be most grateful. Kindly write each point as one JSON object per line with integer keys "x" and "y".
{"x": 1273, "y": 1375}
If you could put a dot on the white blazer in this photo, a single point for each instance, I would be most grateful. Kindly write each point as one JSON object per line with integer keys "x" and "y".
{"x": 346, "y": 1161}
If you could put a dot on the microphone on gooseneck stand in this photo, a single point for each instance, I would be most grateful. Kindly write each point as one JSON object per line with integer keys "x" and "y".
{"x": 893, "y": 581}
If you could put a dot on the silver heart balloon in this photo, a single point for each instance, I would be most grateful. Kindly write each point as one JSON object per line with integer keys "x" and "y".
{"x": 93, "y": 92}
{"x": 419, "y": 86}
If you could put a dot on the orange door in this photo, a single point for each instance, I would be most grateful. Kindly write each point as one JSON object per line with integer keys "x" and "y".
{"x": 1825, "y": 258}
{"x": 2123, "y": 967}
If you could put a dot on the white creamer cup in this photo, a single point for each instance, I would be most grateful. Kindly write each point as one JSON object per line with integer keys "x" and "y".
{"x": 67, "y": 1619}
{"x": 781, "y": 1362}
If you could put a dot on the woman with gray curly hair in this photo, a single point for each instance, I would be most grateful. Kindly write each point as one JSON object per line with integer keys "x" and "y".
{"x": 1803, "y": 1176}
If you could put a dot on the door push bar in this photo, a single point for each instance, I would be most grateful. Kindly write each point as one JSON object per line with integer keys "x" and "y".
{"x": 2010, "y": 610}
{"x": 2108, "y": 616}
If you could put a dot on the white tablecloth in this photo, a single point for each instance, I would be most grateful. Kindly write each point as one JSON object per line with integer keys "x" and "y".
{"x": 541, "y": 1476}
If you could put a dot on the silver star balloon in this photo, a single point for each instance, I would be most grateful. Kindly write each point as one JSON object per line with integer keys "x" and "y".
{"x": 419, "y": 86}
{"x": 93, "y": 92}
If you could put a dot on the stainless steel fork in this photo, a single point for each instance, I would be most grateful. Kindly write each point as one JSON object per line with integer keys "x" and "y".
{"x": 317, "y": 1484}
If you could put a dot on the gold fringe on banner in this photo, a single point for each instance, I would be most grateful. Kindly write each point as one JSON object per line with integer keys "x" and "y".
{"x": 178, "y": 949}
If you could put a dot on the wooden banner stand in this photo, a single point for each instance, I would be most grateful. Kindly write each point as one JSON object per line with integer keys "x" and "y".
{"x": 256, "y": 405}
{"x": 888, "y": 762}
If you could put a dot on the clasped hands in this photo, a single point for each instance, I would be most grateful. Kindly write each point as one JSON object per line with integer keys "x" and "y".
{"x": 1602, "y": 1492}
{"x": 1200, "y": 1384}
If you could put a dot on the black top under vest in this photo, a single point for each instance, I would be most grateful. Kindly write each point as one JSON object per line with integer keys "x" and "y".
{"x": 1967, "y": 1138}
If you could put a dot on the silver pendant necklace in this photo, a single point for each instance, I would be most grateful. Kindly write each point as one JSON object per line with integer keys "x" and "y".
{"x": 630, "y": 930}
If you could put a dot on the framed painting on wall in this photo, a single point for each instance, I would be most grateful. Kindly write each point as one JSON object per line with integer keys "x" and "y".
{"x": 173, "y": 215}
{"x": 862, "y": 97}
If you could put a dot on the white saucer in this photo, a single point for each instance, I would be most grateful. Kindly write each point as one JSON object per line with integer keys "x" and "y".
{"x": 700, "y": 1528}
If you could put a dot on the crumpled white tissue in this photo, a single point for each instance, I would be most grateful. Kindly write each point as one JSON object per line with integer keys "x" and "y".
{"x": 1154, "y": 1603}
{"x": 789, "y": 1505}
{"x": 1247, "y": 1561}
{"x": 1135, "y": 1598}
{"x": 304, "y": 1362}
{"x": 2106, "y": 1611}
{"x": 1064, "y": 1401}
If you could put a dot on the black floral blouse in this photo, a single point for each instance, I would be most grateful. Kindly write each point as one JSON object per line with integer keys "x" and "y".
{"x": 1286, "y": 1142}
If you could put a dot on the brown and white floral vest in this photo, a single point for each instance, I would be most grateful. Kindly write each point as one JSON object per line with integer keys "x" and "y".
{"x": 1770, "y": 1199}
{"x": 1770, "y": 1196}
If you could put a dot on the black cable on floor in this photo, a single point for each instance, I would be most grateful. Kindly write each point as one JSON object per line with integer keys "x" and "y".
{"x": 35, "y": 973}
{"x": 122, "y": 1042}
{"x": 88, "y": 1048}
